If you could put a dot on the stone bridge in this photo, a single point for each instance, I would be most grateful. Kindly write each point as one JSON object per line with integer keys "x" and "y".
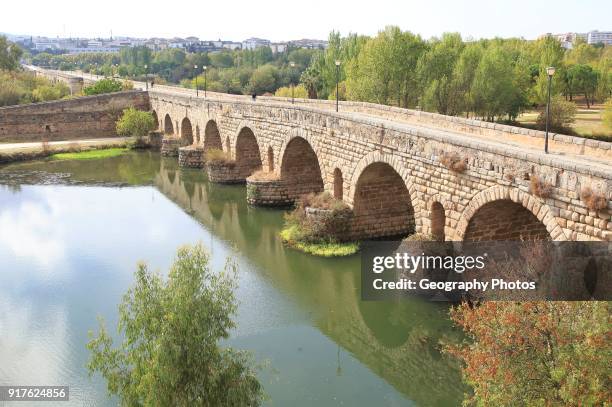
{"x": 403, "y": 171}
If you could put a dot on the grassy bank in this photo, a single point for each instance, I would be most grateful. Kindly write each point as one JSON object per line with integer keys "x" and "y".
{"x": 89, "y": 154}
{"x": 324, "y": 249}
{"x": 41, "y": 151}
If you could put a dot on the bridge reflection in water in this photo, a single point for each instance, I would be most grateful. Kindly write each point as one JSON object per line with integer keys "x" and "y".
{"x": 399, "y": 341}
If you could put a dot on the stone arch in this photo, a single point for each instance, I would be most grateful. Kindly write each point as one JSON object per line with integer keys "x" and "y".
{"x": 168, "y": 128}
{"x": 197, "y": 135}
{"x": 438, "y": 221}
{"x": 248, "y": 157}
{"x": 525, "y": 217}
{"x": 186, "y": 132}
{"x": 270, "y": 159}
{"x": 338, "y": 184}
{"x": 382, "y": 204}
{"x": 299, "y": 167}
{"x": 156, "y": 119}
{"x": 212, "y": 137}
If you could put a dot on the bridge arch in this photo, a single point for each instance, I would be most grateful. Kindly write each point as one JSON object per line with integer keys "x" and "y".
{"x": 299, "y": 167}
{"x": 168, "y": 128}
{"x": 156, "y": 119}
{"x": 186, "y": 132}
{"x": 382, "y": 203}
{"x": 212, "y": 137}
{"x": 507, "y": 213}
{"x": 248, "y": 157}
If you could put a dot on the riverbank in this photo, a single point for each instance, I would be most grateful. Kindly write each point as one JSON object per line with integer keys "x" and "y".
{"x": 13, "y": 152}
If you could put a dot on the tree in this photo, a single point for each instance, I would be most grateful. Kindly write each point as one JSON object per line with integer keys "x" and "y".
{"x": 107, "y": 85}
{"x": 263, "y": 80}
{"x": 9, "y": 54}
{"x": 298, "y": 91}
{"x": 135, "y": 123}
{"x": 535, "y": 353}
{"x": 172, "y": 327}
{"x": 583, "y": 79}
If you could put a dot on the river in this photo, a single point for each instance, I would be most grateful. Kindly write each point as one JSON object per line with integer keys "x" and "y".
{"x": 71, "y": 233}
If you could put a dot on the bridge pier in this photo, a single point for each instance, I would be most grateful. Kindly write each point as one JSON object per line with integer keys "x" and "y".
{"x": 224, "y": 172}
{"x": 170, "y": 147}
{"x": 191, "y": 157}
{"x": 271, "y": 192}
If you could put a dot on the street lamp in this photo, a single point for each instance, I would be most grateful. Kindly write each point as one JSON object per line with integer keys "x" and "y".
{"x": 205, "y": 68}
{"x": 146, "y": 77}
{"x": 292, "y": 86}
{"x": 337, "y": 79}
{"x": 195, "y": 67}
{"x": 550, "y": 71}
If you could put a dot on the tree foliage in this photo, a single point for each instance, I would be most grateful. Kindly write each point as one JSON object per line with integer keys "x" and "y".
{"x": 107, "y": 85}
{"x": 562, "y": 114}
{"x": 135, "y": 123}
{"x": 9, "y": 54}
{"x": 170, "y": 354}
{"x": 536, "y": 353}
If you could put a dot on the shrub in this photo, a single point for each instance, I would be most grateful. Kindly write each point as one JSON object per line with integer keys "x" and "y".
{"x": 217, "y": 156}
{"x": 562, "y": 115}
{"x": 540, "y": 188}
{"x": 548, "y": 353}
{"x": 299, "y": 92}
{"x": 454, "y": 162}
{"x": 594, "y": 200}
{"x": 107, "y": 85}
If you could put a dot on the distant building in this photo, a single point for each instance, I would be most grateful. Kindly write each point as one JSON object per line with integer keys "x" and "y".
{"x": 596, "y": 37}
{"x": 278, "y": 47}
{"x": 254, "y": 43}
{"x": 232, "y": 45}
{"x": 309, "y": 44}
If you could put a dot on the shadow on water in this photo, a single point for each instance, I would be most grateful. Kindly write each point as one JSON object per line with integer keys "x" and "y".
{"x": 398, "y": 341}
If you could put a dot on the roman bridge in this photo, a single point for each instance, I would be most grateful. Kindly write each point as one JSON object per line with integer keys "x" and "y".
{"x": 402, "y": 171}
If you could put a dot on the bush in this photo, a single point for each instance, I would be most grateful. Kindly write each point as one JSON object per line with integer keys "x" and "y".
{"x": 319, "y": 218}
{"x": 594, "y": 200}
{"x": 135, "y": 123}
{"x": 173, "y": 328}
{"x": 540, "y": 188}
{"x": 217, "y": 156}
{"x": 535, "y": 353}
{"x": 562, "y": 115}
{"x": 107, "y": 85}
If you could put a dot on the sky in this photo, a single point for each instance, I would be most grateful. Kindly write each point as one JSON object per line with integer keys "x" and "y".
{"x": 278, "y": 20}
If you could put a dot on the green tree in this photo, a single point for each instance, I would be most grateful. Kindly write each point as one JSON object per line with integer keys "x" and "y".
{"x": 562, "y": 114}
{"x": 263, "y": 80}
{"x": 135, "y": 123}
{"x": 170, "y": 355}
{"x": 583, "y": 79}
{"x": 9, "y": 54}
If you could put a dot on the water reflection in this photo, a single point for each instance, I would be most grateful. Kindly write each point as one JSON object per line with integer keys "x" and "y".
{"x": 284, "y": 294}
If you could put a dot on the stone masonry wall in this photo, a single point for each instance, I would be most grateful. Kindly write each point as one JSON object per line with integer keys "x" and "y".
{"x": 267, "y": 193}
{"x": 79, "y": 118}
{"x": 351, "y": 143}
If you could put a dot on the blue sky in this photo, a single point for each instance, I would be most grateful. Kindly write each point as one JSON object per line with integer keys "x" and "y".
{"x": 282, "y": 20}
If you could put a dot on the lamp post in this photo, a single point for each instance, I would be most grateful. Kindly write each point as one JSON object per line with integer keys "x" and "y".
{"x": 337, "y": 79}
{"x": 205, "y": 69}
{"x": 195, "y": 67}
{"x": 292, "y": 64}
{"x": 146, "y": 77}
{"x": 550, "y": 71}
